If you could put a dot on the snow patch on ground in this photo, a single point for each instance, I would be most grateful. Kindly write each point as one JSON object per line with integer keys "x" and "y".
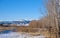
{"x": 18, "y": 35}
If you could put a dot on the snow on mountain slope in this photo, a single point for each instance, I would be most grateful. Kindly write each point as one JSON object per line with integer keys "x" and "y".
{"x": 20, "y": 22}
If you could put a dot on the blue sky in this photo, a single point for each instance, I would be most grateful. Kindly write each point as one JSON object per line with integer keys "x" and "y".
{"x": 21, "y": 9}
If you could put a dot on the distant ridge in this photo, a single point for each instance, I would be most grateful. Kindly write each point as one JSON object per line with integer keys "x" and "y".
{"x": 20, "y": 22}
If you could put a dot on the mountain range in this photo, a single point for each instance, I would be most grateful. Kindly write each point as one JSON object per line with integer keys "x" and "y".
{"x": 21, "y": 22}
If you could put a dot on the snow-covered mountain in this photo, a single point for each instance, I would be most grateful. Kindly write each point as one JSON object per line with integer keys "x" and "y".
{"x": 20, "y": 22}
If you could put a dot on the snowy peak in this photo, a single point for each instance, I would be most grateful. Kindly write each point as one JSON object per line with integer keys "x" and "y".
{"x": 20, "y": 22}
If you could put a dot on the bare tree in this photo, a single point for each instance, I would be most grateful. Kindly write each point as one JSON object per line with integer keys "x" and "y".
{"x": 51, "y": 6}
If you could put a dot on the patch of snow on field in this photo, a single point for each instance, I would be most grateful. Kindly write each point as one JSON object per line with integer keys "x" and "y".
{"x": 18, "y": 35}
